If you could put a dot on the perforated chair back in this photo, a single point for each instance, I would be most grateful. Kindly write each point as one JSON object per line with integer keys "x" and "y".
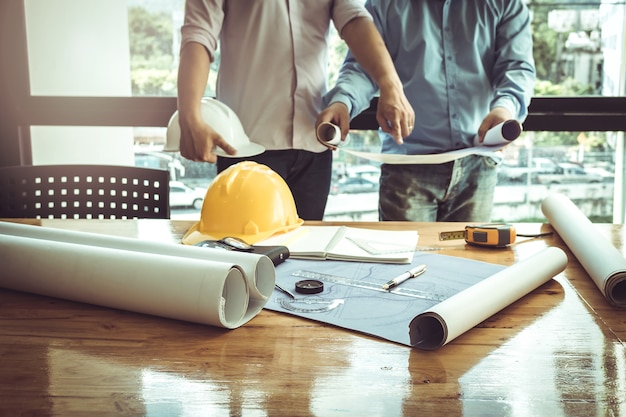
{"x": 84, "y": 192}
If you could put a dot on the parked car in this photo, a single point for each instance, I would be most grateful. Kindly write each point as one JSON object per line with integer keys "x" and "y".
{"x": 569, "y": 173}
{"x": 352, "y": 185}
{"x": 368, "y": 172}
{"x": 182, "y": 195}
{"x": 508, "y": 174}
{"x": 605, "y": 174}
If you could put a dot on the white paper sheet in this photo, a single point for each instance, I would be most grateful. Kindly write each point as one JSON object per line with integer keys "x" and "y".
{"x": 439, "y": 158}
{"x": 495, "y": 139}
{"x": 603, "y": 262}
{"x": 209, "y": 286}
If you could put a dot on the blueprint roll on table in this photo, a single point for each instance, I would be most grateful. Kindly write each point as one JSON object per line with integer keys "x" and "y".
{"x": 603, "y": 262}
{"x": 220, "y": 288}
{"x": 449, "y": 319}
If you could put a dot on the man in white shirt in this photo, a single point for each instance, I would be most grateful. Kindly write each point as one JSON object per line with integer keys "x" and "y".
{"x": 273, "y": 73}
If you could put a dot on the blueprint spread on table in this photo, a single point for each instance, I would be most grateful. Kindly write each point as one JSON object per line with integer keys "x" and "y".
{"x": 353, "y": 298}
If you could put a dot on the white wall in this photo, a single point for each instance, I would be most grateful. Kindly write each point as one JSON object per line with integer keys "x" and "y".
{"x": 79, "y": 48}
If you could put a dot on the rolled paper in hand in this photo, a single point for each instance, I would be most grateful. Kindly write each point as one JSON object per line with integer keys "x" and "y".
{"x": 329, "y": 135}
{"x": 500, "y": 134}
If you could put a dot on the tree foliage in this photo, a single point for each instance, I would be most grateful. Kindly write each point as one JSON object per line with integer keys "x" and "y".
{"x": 152, "y": 60}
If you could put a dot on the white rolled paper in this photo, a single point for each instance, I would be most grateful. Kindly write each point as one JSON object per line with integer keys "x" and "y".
{"x": 258, "y": 269}
{"x": 603, "y": 262}
{"x": 208, "y": 286}
{"x": 452, "y": 317}
{"x": 502, "y": 133}
{"x": 329, "y": 134}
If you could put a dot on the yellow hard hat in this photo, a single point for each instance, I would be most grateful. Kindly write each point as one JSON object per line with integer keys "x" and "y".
{"x": 248, "y": 201}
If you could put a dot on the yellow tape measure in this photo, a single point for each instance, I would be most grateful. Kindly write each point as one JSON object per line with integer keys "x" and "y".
{"x": 494, "y": 235}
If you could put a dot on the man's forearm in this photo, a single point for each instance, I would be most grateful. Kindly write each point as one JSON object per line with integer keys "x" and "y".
{"x": 394, "y": 113}
{"x": 193, "y": 73}
{"x": 370, "y": 52}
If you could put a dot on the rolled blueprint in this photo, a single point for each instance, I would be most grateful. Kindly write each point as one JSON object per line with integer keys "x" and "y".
{"x": 502, "y": 133}
{"x": 329, "y": 134}
{"x": 603, "y": 262}
{"x": 454, "y": 316}
{"x": 208, "y": 286}
{"x": 259, "y": 270}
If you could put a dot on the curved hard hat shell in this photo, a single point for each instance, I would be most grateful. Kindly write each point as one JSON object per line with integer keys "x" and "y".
{"x": 248, "y": 201}
{"x": 224, "y": 121}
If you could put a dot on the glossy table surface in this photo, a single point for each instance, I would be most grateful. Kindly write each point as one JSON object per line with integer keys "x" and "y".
{"x": 559, "y": 351}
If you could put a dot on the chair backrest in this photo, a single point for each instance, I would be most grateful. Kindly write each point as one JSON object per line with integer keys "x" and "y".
{"x": 84, "y": 191}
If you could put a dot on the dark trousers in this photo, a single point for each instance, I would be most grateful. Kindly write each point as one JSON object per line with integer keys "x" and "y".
{"x": 306, "y": 173}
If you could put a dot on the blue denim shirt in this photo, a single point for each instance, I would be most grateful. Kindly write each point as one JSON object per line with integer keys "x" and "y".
{"x": 457, "y": 59}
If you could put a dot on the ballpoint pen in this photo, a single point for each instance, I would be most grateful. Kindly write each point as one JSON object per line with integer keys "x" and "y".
{"x": 281, "y": 289}
{"x": 411, "y": 273}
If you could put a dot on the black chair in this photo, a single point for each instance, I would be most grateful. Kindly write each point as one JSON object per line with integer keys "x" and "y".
{"x": 84, "y": 192}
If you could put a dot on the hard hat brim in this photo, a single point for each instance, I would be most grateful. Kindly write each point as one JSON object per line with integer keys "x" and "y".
{"x": 250, "y": 149}
{"x": 171, "y": 147}
{"x": 194, "y": 235}
{"x": 245, "y": 151}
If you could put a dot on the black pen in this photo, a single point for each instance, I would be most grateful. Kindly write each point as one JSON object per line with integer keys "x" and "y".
{"x": 411, "y": 273}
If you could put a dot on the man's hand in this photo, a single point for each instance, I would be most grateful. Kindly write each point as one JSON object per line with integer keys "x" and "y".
{"x": 198, "y": 141}
{"x": 495, "y": 117}
{"x": 394, "y": 112}
{"x": 336, "y": 113}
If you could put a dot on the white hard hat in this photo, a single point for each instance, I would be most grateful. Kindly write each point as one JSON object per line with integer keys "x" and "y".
{"x": 224, "y": 121}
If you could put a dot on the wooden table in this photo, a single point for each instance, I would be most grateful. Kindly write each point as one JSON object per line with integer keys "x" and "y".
{"x": 559, "y": 351}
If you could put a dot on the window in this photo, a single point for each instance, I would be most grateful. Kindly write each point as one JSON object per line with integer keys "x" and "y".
{"x": 102, "y": 79}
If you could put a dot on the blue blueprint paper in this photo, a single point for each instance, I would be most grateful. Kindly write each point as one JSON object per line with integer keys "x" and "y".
{"x": 370, "y": 310}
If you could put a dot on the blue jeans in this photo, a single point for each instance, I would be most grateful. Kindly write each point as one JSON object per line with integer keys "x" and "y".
{"x": 306, "y": 173}
{"x": 457, "y": 191}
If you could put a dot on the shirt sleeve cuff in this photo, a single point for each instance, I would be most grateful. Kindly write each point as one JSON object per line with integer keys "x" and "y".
{"x": 511, "y": 105}
{"x": 331, "y": 98}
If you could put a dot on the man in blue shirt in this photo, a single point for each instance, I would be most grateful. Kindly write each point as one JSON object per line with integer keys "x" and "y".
{"x": 466, "y": 66}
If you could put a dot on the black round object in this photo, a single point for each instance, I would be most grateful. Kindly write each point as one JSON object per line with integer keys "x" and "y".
{"x": 309, "y": 286}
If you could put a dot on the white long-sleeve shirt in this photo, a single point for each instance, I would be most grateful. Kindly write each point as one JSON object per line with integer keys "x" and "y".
{"x": 273, "y": 68}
